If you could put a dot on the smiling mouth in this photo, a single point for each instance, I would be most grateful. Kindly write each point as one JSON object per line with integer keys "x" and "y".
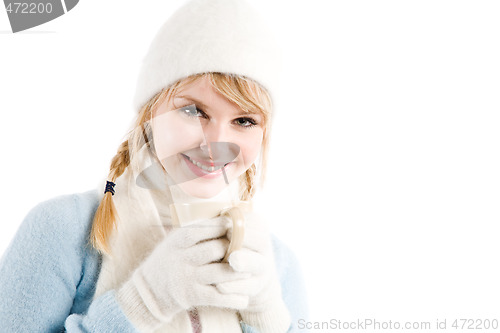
{"x": 208, "y": 166}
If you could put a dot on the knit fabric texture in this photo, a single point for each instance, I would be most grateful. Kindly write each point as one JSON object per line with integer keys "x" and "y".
{"x": 225, "y": 36}
{"x": 49, "y": 271}
{"x": 195, "y": 321}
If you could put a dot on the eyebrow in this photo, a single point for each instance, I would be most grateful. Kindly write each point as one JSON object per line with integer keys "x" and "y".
{"x": 204, "y": 106}
{"x": 198, "y": 102}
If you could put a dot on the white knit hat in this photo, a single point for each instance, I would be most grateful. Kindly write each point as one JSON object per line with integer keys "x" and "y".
{"x": 226, "y": 36}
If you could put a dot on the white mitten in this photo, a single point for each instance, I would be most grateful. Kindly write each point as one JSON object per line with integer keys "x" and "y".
{"x": 181, "y": 273}
{"x": 266, "y": 310}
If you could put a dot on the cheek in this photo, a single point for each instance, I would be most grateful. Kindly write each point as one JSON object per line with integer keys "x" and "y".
{"x": 173, "y": 135}
{"x": 251, "y": 146}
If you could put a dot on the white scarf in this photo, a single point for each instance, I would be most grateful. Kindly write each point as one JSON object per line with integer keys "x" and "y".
{"x": 144, "y": 217}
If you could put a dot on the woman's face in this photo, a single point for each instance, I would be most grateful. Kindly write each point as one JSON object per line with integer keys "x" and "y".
{"x": 203, "y": 140}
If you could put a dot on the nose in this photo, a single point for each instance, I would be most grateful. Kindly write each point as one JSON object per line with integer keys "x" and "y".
{"x": 214, "y": 132}
{"x": 217, "y": 142}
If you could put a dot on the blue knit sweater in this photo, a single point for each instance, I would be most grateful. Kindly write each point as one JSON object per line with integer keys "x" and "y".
{"x": 49, "y": 272}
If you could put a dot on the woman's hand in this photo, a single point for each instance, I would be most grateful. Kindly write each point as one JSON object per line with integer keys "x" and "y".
{"x": 266, "y": 310}
{"x": 182, "y": 272}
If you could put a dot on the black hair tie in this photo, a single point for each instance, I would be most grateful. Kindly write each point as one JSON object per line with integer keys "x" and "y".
{"x": 110, "y": 187}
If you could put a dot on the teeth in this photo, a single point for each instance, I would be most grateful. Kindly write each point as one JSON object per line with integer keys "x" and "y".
{"x": 204, "y": 167}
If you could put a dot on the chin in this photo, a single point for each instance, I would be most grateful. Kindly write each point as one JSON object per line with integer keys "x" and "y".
{"x": 202, "y": 191}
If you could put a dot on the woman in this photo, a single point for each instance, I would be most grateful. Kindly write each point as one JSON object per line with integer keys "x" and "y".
{"x": 120, "y": 262}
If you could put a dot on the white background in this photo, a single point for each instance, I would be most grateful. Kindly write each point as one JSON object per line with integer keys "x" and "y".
{"x": 384, "y": 175}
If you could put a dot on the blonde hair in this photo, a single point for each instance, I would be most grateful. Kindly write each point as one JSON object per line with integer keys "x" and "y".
{"x": 245, "y": 93}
